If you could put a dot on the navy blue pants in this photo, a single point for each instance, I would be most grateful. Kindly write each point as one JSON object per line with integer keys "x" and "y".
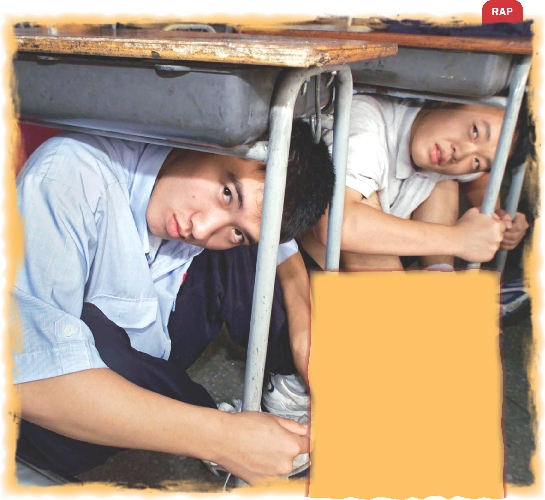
{"x": 218, "y": 288}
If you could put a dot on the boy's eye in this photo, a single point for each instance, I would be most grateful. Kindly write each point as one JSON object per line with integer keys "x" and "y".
{"x": 477, "y": 164}
{"x": 227, "y": 196}
{"x": 239, "y": 237}
{"x": 475, "y": 132}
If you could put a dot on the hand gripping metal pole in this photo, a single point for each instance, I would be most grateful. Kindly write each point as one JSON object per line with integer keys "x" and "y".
{"x": 516, "y": 93}
{"x": 281, "y": 118}
{"x": 511, "y": 204}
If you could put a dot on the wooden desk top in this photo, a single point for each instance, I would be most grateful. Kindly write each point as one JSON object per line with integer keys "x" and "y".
{"x": 465, "y": 43}
{"x": 234, "y": 48}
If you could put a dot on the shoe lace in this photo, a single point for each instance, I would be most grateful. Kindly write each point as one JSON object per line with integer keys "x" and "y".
{"x": 226, "y": 481}
{"x": 270, "y": 386}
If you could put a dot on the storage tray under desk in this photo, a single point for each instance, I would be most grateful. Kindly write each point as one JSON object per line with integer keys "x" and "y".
{"x": 226, "y": 105}
{"x": 474, "y": 74}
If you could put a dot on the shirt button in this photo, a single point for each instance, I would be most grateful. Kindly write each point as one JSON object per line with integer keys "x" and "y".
{"x": 68, "y": 330}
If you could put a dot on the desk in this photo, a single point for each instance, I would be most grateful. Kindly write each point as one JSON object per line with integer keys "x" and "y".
{"x": 520, "y": 45}
{"x": 258, "y": 49}
{"x": 302, "y": 59}
{"x": 516, "y": 78}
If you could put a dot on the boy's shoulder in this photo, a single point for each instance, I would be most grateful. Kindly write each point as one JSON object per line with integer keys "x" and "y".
{"x": 81, "y": 164}
{"x": 384, "y": 111}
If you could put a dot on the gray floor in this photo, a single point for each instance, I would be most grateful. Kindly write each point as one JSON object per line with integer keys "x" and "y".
{"x": 519, "y": 408}
{"x": 221, "y": 371}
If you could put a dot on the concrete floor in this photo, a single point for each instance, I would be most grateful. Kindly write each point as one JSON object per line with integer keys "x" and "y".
{"x": 519, "y": 406}
{"x": 221, "y": 371}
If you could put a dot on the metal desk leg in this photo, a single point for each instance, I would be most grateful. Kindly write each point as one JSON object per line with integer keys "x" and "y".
{"x": 281, "y": 118}
{"x": 343, "y": 102}
{"x": 516, "y": 93}
{"x": 511, "y": 205}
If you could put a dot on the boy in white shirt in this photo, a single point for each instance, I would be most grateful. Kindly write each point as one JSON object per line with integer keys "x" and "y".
{"x": 404, "y": 165}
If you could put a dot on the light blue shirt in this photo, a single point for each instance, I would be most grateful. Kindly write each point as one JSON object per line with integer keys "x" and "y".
{"x": 83, "y": 200}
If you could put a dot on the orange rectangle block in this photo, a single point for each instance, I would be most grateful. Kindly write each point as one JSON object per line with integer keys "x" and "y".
{"x": 406, "y": 382}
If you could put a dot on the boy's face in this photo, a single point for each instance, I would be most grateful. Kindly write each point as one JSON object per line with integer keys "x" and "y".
{"x": 454, "y": 139}
{"x": 208, "y": 200}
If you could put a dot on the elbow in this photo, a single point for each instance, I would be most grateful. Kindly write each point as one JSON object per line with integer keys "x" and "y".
{"x": 321, "y": 231}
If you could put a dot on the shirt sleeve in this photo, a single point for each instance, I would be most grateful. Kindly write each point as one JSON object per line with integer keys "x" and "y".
{"x": 286, "y": 250}
{"x": 367, "y": 163}
{"x": 49, "y": 339}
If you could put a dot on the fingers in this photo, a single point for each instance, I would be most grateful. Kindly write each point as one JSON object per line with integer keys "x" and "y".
{"x": 505, "y": 217}
{"x": 521, "y": 223}
{"x": 293, "y": 426}
{"x": 305, "y": 444}
{"x": 265, "y": 446}
{"x": 301, "y": 430}
{"x": 514, "y": 234}
{"x": 507, "y": 246}
{"x": 511, "y": 240}
{"x": 507, "y": 222}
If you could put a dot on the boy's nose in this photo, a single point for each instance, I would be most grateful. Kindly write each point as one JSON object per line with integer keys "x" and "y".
{"x": 464, "y": 149}
{"x": 206, "y": 224}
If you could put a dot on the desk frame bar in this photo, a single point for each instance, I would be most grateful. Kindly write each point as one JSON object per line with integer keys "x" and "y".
{"x": 516, "y": 93}
{"x": 341, "y": 127}
{"x": 494, "y": 101}
{"x": 281, "y": 117}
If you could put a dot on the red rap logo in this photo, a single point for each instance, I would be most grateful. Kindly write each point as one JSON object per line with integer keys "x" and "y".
{"x": 502, "y": 11}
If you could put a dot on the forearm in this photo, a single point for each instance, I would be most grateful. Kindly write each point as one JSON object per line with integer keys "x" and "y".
{"x": 101, "y": 407}
{"x": 294, "y": 280}
{"x": 370, "y": 231}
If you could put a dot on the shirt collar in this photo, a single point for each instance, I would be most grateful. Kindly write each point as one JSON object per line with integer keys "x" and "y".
{"x": 404, "y": 165}
{"x": 141, "y": 186}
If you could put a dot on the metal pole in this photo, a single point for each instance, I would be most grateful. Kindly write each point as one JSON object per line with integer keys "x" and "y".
{"x": 343, "y": 103}
{"x": 516, "y": 93}
{"x": 494, "y": 101}
{"x": 281, "y": 118}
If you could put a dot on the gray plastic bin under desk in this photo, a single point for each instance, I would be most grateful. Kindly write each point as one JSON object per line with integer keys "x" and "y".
{"x": 474, "y": 74}
{"x": 217, "y": 104}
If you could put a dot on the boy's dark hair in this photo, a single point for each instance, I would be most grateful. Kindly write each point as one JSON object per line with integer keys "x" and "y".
{"x": 309, "y": 183}
{"x": 525, "y": 137}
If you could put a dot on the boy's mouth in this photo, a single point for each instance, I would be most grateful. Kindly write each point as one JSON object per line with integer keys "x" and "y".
{"x": 176, "y": 231}
{"x": 173, "y": 228}
{"x": 437, "y": 155}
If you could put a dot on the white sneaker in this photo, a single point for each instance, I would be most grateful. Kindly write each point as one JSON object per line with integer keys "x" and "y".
{"x": 286, "y": 396}
{"x": 300, "y": 463}
{"x": 513, "y": 295}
